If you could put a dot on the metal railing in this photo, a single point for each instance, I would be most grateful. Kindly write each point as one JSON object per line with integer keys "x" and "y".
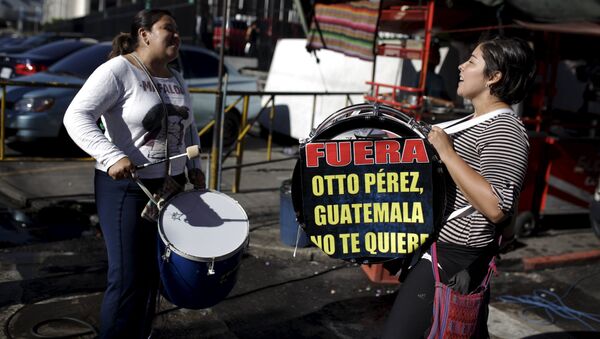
{"x": 246, "y": 125}
{"x": 238, "y": 146}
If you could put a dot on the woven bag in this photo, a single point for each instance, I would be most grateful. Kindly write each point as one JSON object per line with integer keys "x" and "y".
{"x": 455, "y": 314}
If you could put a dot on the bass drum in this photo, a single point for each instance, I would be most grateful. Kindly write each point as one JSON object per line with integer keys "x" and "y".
{"x": 371, "y": 121}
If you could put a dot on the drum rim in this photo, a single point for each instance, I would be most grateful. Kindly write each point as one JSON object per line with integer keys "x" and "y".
{"x": 366, "y": 110}
{"x": 192, "y": 257}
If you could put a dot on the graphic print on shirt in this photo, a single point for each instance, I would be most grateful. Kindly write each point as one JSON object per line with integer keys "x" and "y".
{"x": 165, "y": 89}
{"x": 154, "y": 141}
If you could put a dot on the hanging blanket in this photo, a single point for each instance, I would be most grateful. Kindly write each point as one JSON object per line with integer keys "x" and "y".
{"x": 348, "y": 28}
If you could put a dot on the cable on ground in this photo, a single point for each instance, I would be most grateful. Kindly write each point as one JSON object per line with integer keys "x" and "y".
{"x": 553, "y": 305}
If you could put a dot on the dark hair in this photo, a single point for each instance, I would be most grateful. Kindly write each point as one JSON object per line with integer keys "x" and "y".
{"x": 125, "y": 43}
{"x": 515, "y": 60}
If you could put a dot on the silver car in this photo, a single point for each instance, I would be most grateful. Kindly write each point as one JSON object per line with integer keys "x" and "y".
{"x": 34, "y": 115}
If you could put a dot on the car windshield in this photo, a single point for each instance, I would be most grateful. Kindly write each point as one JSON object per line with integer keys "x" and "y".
{"x": 83, "y": 62}
{"x": 35, "y": 40}
{"x": 57, "y": 49}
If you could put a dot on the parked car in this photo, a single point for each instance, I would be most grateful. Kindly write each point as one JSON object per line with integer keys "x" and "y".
{"x": 7, "y": 41}
{"x": 37, "y": 40}
{"x": 35, "y": 114}
{"x": 40, "y": 58}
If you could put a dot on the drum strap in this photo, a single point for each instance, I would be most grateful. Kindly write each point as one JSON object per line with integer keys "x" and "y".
{"x": 455, "y": 126}
{"x": 164, "y": 106}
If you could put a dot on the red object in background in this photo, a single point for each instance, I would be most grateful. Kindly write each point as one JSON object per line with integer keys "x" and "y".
{"x": 377, "y": 273}
{"x": 561, "y": 176}
{"x": 28, "y": 69}
{"x": 235, "y": 37}
{"x": 560, "y": 179}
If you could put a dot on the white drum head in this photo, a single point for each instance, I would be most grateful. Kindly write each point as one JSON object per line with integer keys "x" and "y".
{"x": 202, "y": 225}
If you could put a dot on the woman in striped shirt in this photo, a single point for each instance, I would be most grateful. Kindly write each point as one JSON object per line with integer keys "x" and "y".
{"x": 486, "y": 158}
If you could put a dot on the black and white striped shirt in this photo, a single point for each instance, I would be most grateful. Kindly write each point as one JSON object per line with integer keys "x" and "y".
{"x": 497, "y": 148}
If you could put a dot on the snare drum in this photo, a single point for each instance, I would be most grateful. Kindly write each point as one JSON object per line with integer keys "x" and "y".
{"x": 203, "y": 235}
{"x": 369, "y": 122}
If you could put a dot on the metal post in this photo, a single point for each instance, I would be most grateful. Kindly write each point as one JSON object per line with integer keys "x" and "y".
{"x": 300, "y": 12}
{"x": 375, "y": 41}
{"x": 314, "y": 112}
{"x": 2, "y": 112}
{"x": 216, "y": 144}
{"x": 220, "y": 129}
{"x": 240, "y": 148}
{"x": 270, "y": 138}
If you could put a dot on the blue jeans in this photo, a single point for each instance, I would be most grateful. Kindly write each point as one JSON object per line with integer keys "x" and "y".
{"x": 131, "y": 244}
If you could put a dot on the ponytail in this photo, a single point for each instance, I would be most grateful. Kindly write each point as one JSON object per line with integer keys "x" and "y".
{"x": 122, "y": 44}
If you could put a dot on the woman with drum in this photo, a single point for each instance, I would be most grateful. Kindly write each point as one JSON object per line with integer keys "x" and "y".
{"x": 146, "y": 111}
{"x": 486, "y": 160}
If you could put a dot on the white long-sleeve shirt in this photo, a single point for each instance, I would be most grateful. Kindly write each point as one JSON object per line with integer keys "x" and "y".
{"x": 123, "y": 97}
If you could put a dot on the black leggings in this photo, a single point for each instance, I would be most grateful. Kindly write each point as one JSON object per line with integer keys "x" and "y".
{"x": 412, "y": 312}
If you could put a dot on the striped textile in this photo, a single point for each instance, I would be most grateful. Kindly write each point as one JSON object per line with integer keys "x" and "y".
{"x": 455, "y": 315}
{"x": 348, "y": 28}
{"x": 496, "y": 148}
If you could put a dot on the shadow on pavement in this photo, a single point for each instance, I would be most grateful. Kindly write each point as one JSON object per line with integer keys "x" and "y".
{"x": 341, "y": 319}
{"x": 51, "y": 149}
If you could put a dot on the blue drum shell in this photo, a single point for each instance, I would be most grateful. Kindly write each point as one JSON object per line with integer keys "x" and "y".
{"x": 186, "y": 283}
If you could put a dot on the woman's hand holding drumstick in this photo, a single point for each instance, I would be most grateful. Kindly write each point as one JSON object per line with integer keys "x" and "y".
{"x": 121, "y": 169}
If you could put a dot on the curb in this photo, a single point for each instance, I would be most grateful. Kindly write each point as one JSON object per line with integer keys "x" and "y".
{"x": 284, "y": 252}
{"x": 11, "y": 196}
{"x": 510, "y": 264}
{"x": 536, "y": 263}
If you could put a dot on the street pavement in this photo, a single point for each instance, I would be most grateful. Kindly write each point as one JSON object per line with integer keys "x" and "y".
{"x": 281, "y": 292}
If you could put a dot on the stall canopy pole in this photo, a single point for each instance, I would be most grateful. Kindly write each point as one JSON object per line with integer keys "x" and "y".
{"x": 300, "y": 12}
{"x": 375, "y": 38}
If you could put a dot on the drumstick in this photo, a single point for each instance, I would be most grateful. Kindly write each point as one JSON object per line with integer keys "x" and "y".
{"x": 191, "y": 153}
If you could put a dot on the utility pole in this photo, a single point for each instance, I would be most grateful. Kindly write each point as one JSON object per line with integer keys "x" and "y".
{"x": 216, "y": 144}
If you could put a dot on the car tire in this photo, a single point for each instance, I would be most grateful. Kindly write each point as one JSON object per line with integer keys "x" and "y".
{"x": 525, "y": 225}
{"x": 231, "y": 127}
{"x": 595, "y": 223}
{"x": 595, "y": 214}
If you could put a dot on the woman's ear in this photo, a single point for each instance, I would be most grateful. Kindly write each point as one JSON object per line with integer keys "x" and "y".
{"x": 143, "y": 36}
{"x": 494, "y": 78}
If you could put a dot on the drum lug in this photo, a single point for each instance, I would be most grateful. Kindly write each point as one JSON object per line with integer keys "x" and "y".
{"x": 376, "y": 109}
{"x": 167, "y": 255}
{"x": 211, "y": 267}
